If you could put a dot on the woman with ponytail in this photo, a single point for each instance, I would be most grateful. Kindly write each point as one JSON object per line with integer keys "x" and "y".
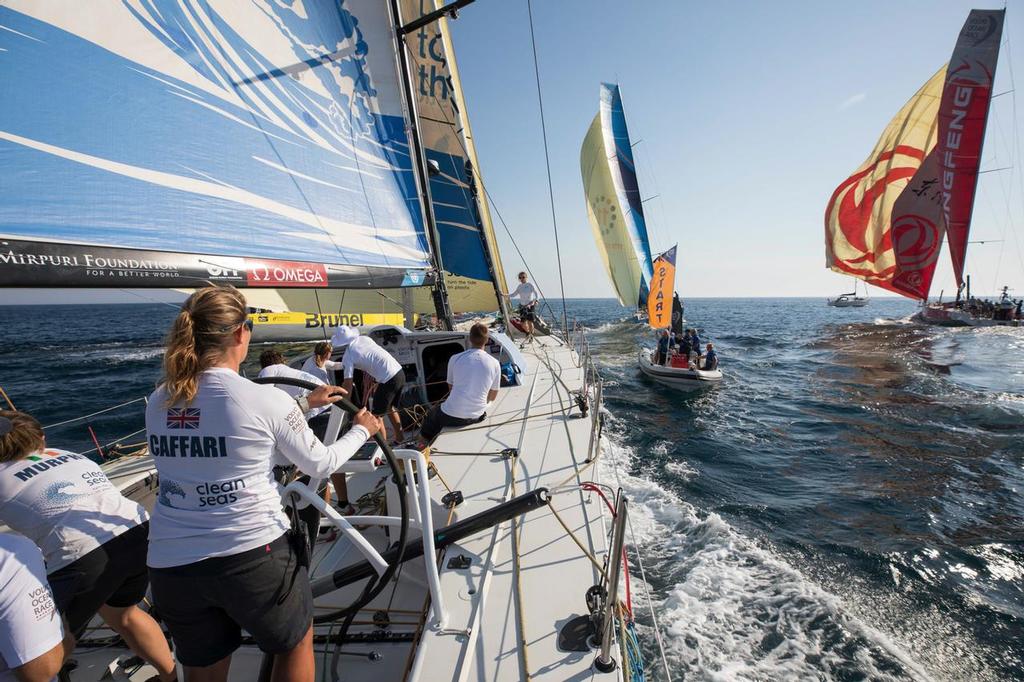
{"x": 219, "y": 557}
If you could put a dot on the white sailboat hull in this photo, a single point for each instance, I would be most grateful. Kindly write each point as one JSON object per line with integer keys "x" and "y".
{"x": 848, "y": 302}
{"x": 504, "y": 608}
{"x": 955, "y": 317}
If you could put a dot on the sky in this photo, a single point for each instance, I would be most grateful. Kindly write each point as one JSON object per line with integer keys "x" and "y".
{"x": 745, "y": 117}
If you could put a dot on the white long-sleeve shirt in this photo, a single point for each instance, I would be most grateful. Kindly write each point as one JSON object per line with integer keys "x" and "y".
{"x": 294, "y": 391}
{"x": 64, "y": 503}
{"x": 215, "y": 458}
{"x": 310, "y": 367}
{"x": 29, "y": 623}
{"x": 526, "y": 293}
{"x": 364, "y": 354}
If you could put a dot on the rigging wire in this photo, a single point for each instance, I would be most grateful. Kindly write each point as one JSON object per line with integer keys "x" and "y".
{"x": 547, "y": 162}
{"x": 501, "y": 218}
{"x": 1016, "y": 141}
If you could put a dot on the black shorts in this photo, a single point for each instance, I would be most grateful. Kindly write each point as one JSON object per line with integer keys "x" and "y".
{"x": 527, "y": 313}
{"x": 206, "y": 605}
{"x": 114, "y": 574}
{"x": 387, "y": 393}
{"x": 437, "y": 420}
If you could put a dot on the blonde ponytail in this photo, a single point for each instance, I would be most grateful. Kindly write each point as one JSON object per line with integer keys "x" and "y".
{"x": 198, "y": 339}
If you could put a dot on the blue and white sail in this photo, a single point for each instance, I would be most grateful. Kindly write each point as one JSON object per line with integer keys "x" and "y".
{"x": 613, "y": 201}
{"x": 161, "y": 143}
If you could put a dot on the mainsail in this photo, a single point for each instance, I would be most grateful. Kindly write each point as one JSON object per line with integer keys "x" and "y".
{"x": 885, "y": 223}
{"x": 165, "y": 144}
{"x": 962, "y": 119}
{"x": 660, "y": 312}
{"x": 468, "y": 248}
{"x": 613, "y": 201}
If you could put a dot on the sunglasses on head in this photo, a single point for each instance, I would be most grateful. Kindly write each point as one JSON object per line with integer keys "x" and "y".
{"x": 247, "y": 323}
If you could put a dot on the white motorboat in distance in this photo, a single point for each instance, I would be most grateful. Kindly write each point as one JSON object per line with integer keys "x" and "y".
{"x": 678, "y": 377}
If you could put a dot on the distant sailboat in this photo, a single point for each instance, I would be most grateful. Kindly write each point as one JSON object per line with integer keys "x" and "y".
{"x": 885, "y": 223}
{"x": 613, "y": 202}
{"x": 850, "y": 300}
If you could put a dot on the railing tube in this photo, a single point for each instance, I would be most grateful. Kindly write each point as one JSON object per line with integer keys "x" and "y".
{"x": 604, "y": 661}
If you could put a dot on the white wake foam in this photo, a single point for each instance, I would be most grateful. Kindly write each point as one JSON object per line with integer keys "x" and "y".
{"x": 729, "y": 608}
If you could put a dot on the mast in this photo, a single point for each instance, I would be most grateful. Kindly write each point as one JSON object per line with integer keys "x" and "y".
{"x": 440, "y": 290}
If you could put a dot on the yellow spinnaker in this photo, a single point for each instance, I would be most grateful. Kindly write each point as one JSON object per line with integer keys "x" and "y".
{"x": 883, "y": 224}
{"x": 610, "y": 231}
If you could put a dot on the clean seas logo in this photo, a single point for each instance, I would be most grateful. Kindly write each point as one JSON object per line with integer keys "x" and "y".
{"x": 168, "y": 488}
{"x": 55, "y": 497}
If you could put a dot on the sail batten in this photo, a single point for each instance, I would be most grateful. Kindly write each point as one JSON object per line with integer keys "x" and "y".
{"x": 613, "y": 201}
{"x": 182, "y": 133}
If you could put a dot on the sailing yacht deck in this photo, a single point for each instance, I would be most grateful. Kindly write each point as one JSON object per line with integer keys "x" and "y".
{"x": 504, "y": 610}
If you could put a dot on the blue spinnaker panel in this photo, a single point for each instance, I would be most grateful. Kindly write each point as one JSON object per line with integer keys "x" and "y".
{"x": 270, "y": 131}
{"x": 623, "y": 171}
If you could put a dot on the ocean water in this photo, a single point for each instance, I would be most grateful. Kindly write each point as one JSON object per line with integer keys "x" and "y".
{"x": 848, "y": 504}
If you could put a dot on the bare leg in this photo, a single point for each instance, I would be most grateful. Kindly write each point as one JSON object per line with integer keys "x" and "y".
{"x": 143, "y": 636}
{"x": 218, "y": 672}
{"x": 296, "y": 665}
{"x": 396, "y": 424}
{"x": 340, "y": 488}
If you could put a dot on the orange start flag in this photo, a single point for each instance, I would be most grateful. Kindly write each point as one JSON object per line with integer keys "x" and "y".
{"x": 659, "y": 301}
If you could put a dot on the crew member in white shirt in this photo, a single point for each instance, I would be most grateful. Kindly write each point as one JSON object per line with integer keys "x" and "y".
{"x": 272, "y": 364}
{"x": 364, "y": 354}
{"x": 220, "y": 556}
{"x": 92, "y": 537}
{"x": 33, "y": 645}
{"x": 526, "y": 293}
{"x": 319, "y": 363}
{"x": 474, "y": 377}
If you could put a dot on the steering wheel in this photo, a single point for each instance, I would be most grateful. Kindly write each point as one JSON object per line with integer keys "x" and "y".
{"x": 374, "y": 587}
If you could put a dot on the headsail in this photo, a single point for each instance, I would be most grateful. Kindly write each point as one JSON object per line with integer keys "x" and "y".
{"x": 613, "y": 201}
{"x": 660, "y": 313}
{"x": 962, "y": 119}
{"x": 161, "y": 144}
{"x": 468, "y": 249}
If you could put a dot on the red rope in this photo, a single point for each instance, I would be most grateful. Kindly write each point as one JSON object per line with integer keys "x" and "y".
{"x": 625, "y": 560}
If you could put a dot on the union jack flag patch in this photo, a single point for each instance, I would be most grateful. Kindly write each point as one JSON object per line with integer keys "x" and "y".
{"x": 183, "y": 418}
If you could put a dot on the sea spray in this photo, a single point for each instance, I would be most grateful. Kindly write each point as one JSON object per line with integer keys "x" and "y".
{"x": 729, "y": 608}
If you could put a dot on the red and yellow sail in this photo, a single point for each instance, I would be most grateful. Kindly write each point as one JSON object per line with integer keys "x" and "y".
{"x": 882, "y": 223}
{"x": 885, "y": 223}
